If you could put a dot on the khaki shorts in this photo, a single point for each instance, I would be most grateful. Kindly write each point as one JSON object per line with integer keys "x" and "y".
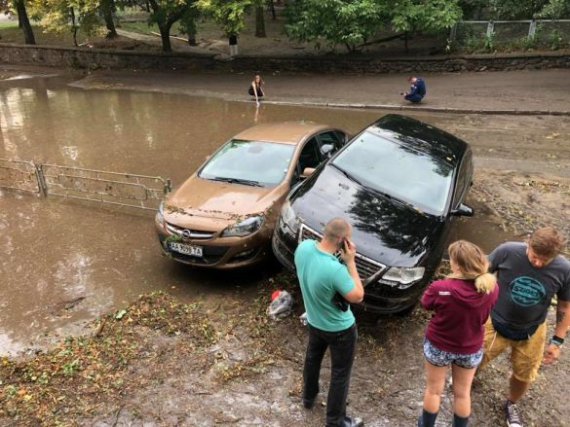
{"x": 526, "y": 356}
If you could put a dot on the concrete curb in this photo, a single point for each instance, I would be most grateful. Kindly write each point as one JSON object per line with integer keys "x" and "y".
{"x": 418, "y": 108}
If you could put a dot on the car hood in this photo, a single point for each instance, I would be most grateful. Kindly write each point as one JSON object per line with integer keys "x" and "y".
{"x": 384, "y": 229}
{"x": 200, "y": 200}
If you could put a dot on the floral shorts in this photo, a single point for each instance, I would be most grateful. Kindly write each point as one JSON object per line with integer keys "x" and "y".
{"x": 441, "y": 358}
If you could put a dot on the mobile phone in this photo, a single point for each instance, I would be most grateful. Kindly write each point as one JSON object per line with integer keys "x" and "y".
{"x": 341, "y": 244}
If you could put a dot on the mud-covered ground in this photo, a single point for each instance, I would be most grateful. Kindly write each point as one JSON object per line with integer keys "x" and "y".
{"x": 160, "y": 362}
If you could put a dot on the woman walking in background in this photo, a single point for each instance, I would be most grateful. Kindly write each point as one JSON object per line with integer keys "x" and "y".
{"x": 462, "y": 303}
{"x": 256, "y": 88}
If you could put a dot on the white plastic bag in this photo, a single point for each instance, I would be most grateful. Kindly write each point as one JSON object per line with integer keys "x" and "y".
{"x": 281, "y": 305}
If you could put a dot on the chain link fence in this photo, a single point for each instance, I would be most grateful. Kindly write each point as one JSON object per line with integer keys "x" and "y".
{"x": 488, "y": 36}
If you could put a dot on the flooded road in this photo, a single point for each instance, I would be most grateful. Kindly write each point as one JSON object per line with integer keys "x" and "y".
{"x": 63, "y": 263}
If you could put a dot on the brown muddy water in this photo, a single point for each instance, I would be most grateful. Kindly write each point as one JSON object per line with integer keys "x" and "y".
{"x": 65, "y": 263}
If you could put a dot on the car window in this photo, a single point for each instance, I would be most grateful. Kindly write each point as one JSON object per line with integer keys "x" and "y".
{"x": 310, "y": 155}
{"x": 265, "y": 163}
{"x": 330, "y": 143}
{"x": 464, "y": 176}
{"x": 393, "y": 167}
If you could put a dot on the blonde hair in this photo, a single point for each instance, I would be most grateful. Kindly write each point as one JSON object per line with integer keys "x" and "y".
{"x": 473, "y": 265}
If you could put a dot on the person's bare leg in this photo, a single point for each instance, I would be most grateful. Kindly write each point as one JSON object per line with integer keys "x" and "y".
{"x": 517, "y": 389}
{"x": 462, "y": 380}
{"x": 435, "y": 382}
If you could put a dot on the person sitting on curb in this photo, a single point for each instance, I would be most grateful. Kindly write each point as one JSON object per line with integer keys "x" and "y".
{"x": 417, "y": 90}
{"x": 454, "y": 337}
{"x": 529, "y": 275}
{"x": 256, "y": 88}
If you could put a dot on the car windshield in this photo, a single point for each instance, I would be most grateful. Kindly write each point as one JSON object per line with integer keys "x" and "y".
{"x": 250, "y": 163}
{"x": 396, "y": 168}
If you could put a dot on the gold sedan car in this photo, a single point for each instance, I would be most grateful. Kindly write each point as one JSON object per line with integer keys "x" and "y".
{"x": 223, "y": 216}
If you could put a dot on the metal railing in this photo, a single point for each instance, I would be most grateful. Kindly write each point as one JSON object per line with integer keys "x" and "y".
{"x": 20, "y": 175}
{"x": 121, "y": 189}
{"x": 510, "y": 31}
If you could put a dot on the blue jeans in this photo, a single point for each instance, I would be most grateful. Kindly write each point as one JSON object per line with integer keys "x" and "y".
{"x": 342, "y": 347}
{"x": 416, "y": 98}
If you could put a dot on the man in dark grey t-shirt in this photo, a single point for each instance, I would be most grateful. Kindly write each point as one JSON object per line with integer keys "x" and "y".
{"x": 529, "y": 276}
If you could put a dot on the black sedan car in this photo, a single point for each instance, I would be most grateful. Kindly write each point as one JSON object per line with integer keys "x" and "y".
{"x": 400, "y": 183}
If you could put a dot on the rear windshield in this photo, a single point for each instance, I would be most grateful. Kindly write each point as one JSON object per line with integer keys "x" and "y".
{"x": 397, "y": 169}
{"x": 265, "y": 163}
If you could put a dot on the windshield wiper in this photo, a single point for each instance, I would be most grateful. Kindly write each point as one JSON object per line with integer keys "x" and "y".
{"x": 345, "y": 173}
{"x": 237, "y": 181}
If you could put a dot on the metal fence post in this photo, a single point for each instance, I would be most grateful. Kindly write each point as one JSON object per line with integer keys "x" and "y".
{"x": 532, "y": 29}
{"x": 490, "y": 28}
{"x": 453, "y": 33}
{"x": 41, "y": 180}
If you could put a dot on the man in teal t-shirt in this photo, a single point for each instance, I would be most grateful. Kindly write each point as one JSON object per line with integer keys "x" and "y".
{"x": 324, "y": 282}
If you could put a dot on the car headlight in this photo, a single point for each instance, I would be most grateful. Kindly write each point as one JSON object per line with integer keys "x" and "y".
{"x": 160, "y": 214}
{"x": 289, "y": 218}
{"x": 403, "y": 277}
{"x": 245, "y": 227}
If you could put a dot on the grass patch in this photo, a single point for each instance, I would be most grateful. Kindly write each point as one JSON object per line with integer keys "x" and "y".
{"x": 8, "y": 24}
{"x": 16, "y": 35}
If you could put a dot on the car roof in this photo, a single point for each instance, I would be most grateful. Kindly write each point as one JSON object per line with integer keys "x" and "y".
{"x": 422, "y": 137}
{"x": 282, "y": 132}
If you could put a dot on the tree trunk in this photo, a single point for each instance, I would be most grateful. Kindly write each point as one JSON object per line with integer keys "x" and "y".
{"x": 165, "y": 37}
{"x": 192, "y": 40}
{"x": 107, "y": 7}
{"x": 74, "y": 26}
{"x": 25, "y": 22}
{"x": 272, "y": 7}
{"x": 259, "y": 22}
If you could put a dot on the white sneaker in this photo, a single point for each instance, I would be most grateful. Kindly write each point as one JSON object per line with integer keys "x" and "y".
{"x": 512, "y": 415}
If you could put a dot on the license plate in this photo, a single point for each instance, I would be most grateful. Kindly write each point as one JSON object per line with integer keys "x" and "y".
{"x": 190, "y": 250}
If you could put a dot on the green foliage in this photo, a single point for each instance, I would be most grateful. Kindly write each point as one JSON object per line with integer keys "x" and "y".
{"x": 489, "y": 42}
{"x": 67, "y": 15}
{"x": 529, "y": 43}
{"x": 335, "y": 22}
{"x": 168, "y": 11}
{"x": 430, "y": 16}
{"x": 188, "y": 22}
{"x": 229, "y": 14}
{"x": 527, "y": 9}
{"x": 555, "y": 40}
{"x": 556, "y": 9}
{"x": 353, "y": 22}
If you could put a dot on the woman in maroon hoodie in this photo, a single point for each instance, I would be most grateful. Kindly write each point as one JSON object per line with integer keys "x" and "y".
{"x": 462, "y": 303}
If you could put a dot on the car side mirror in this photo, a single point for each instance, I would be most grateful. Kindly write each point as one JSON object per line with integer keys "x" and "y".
{"x": 307, "y": 172}
{"x": 462, "y": 210}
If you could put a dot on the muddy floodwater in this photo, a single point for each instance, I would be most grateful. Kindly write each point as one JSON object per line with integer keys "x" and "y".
{"x": 64, "y": 263}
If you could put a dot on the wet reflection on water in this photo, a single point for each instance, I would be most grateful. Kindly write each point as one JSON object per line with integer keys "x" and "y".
{"x": 146, "y": 133}
{"x": 63, "y": 263}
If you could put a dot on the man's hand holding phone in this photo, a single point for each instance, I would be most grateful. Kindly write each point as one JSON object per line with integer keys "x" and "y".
{"x": 347, "y": 251}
